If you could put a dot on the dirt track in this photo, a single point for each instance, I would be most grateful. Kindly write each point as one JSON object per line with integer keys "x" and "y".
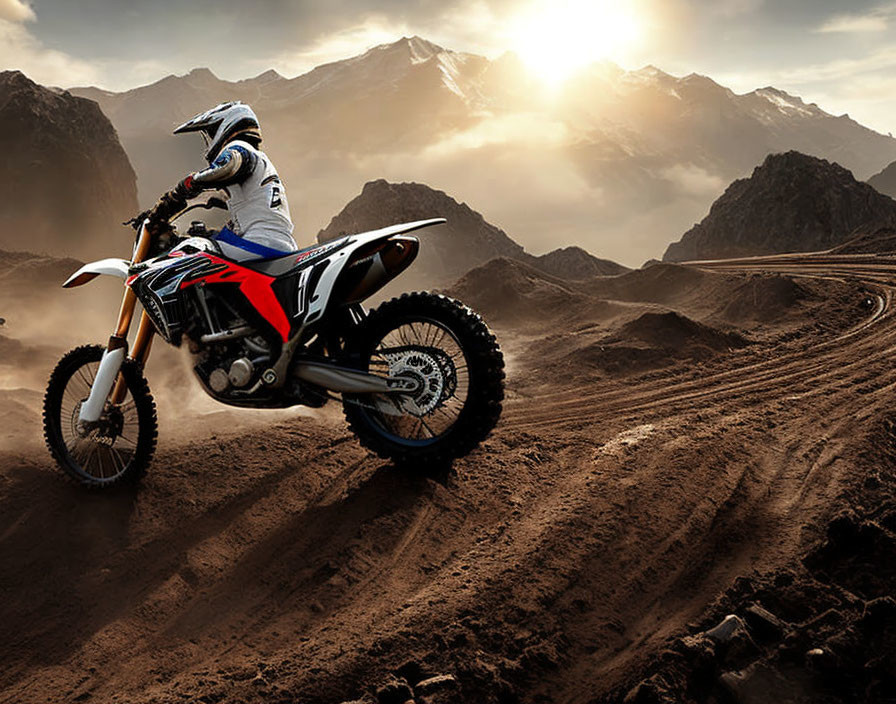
{"x": 553, "y": 565}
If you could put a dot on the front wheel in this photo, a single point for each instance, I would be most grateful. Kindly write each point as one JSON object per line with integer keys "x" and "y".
{"x": 457, "y": 368}
{"x": 115, "y": 450}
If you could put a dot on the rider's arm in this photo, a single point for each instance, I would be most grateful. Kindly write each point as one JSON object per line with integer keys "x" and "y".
{"x": 233, "y": 165}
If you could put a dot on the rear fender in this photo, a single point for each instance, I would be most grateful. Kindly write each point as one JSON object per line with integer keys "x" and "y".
{"x": 88, "y": 272}
{"x": 328, "y": 289}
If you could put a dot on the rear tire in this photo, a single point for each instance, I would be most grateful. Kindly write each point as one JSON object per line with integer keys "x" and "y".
{"x": 121, "y": 451}
{"x": 484, "y": 385}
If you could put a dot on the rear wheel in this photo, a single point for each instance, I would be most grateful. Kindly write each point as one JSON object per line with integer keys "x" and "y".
{"x": 115, "y": 450}
{"x": 457, "y": 368}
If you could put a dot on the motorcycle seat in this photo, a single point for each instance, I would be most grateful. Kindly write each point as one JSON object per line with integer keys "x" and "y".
{"x": 278, "y": 266}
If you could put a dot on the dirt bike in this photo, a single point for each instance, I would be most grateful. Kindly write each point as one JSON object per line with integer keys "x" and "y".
{"x": 420, "y": 377}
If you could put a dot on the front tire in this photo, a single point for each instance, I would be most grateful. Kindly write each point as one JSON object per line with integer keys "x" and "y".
{"x": 428, "y": 335}
{"x": 118, "y": 450}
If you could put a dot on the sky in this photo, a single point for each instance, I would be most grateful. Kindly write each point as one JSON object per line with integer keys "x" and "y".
{"x": 841, "y": 55}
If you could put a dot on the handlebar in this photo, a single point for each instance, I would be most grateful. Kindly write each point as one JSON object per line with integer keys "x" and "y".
{"x": 213, "y": 202}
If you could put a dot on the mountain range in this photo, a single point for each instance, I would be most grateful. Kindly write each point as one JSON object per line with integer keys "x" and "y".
{"x": 618, "y": 161}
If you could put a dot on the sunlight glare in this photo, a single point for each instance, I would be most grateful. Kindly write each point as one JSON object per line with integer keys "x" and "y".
{"x": 555, "y": 39}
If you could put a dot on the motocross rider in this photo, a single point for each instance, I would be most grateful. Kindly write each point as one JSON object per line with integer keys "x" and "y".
{"x": 260, "y": 226}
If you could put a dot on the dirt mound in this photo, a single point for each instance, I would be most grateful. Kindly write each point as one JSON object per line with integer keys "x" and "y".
{"x": 791, "y": 203}
{"x": 575, "y": 263}
{"x": 666, "y": 284}
{"x": 653, "y": 340}
{"x": 762, "y": 298}
{"x": 674, "y": 331}
{"x": 504, "y": 290}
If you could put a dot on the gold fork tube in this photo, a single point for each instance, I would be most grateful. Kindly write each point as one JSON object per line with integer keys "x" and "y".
{"x": 143, "y": 341}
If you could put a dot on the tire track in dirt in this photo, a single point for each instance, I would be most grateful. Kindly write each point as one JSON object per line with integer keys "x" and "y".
{"x": 791, "y": 367}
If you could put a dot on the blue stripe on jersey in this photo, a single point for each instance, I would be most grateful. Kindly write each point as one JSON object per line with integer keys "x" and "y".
{"x": 228, "y": 236}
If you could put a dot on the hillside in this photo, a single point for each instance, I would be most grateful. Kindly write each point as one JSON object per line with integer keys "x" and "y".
{"x": 791, "y": 203}
{"x": 67, "y": 183}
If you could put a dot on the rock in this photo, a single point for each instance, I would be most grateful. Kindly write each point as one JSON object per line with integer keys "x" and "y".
{"x": 822, "y": 660}
{"x": 438, "y": 683}
{"x": 395, "y": 691}
{"x": 728, "y": 629}
{"x": 764, "y": 623}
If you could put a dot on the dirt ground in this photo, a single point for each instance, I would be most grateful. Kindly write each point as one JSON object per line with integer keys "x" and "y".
{"x": 682, "y": 450}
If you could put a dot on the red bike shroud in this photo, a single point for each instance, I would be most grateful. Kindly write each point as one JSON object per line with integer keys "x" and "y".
{"x": 256, "y": 287}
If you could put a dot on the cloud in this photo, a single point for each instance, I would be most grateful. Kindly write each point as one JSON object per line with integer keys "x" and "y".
{"x": 875, "y": 20}
{"x": 533, "y": 129}
{"x": 854, "y": 23}
{"x": 693, "y": 181}
{"x": 20, "y": 50}
{"x": 337, "y": 46}
{"x": 15, "y": 11}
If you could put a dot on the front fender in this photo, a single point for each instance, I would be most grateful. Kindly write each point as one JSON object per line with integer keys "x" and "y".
{"x": 88, "y": 272}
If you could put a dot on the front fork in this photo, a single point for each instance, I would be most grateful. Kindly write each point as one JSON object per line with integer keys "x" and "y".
{"x": 109, "y": 383}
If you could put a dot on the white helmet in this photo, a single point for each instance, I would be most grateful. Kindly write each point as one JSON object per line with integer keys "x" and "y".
{"x": 220, "y": 123}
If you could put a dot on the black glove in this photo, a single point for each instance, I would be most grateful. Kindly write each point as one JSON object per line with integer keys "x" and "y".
{"x": 169, "y": 205}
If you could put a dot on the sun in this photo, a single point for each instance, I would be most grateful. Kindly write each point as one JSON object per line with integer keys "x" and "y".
{"x": 554, "y": 39}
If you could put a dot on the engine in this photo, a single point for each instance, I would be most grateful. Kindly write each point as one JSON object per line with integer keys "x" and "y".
{"x": 231, "y": 368}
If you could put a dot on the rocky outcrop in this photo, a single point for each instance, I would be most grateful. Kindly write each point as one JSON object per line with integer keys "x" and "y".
{"x": 466, "y": 241}
{"x": 449, "y": 250}
{"x": 791, "y": 203}
{"x": 67, "y": 183}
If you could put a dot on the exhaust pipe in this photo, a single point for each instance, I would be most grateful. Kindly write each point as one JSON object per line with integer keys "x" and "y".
{"x": 350, "y": 381}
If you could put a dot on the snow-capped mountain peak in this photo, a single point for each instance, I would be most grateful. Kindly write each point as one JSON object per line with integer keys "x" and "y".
{"x": 785, "y": 103}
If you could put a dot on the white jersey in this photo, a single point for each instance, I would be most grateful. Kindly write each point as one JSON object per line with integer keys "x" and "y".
{"x": 256, "y": 197}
